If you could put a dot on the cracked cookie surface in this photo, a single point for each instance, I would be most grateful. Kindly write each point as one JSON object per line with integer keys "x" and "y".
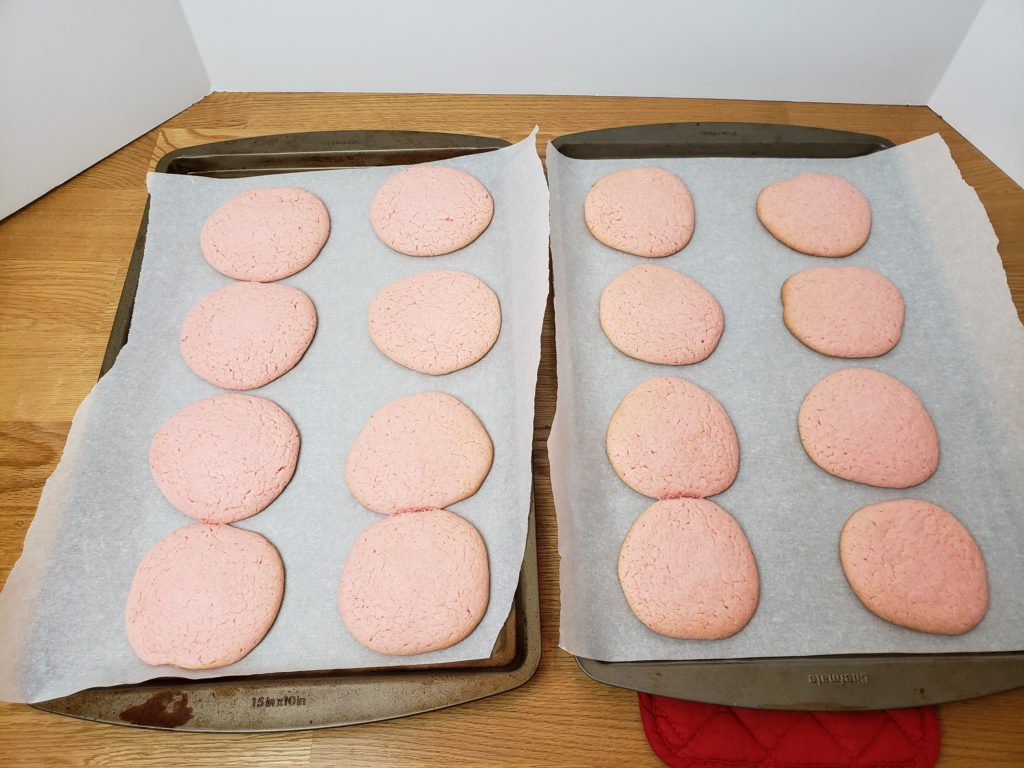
{"x": 224, "y": 458}
{"x": 414, "y": 583}
{"x": 265, "y": 234}
{"x": 687, "y": 570}
{"x": 435, "y": 322}
{"x": 658, "y": 315}
{"x": 203, "y": 597}
{"x": 866, "y": 426}
{"x": 421, "y": 451}
{"x": 245, "y": 335}
{"x": 816, "y": 214}
{"x": 914, "y": 564}
{"x": 642, "y": 211}
{"x": 430, "y": 210}
{"x": 847, "y": 312}
{"x": 669, "y": 438}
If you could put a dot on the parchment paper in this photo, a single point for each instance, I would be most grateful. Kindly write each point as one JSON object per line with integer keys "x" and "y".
{"x": 962, "y": 351}
{"x": 62, "y": 610}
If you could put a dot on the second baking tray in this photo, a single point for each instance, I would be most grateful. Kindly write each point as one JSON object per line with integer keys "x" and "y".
{"x": 325, "y": 698}
{"x": 836, "y": 682}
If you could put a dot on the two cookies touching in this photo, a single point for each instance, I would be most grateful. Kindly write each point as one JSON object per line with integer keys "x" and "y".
{"x": 671, "y": 440}
{"x": 685, "y": 566}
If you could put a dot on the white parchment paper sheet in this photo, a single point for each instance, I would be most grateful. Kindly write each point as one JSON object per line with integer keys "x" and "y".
{"x": 962, "y": 351}
{"x": 62, "y": 610}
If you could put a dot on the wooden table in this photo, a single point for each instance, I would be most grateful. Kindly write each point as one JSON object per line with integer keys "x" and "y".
{"x": 63, "y": 264}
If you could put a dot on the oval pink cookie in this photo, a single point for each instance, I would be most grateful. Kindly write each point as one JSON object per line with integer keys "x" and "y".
{"x": 687, "y": 571}
{"x": 866, "y": 426}
{"x": 435, "y": 322}
{"x": 430, "y": 210}
{"x": 643, "y": 211}
{"x": 655, "y": 314}
{"x": 265, "y": 234}
{"x": 843, "y": 311}
{"x": 418, "y": 452}
{"x": 245, "y": 335}
{"x": 415, "y": 583}
{"x": 816, "y": 214}
{"x": 670, "y": 438}
{"x": 204, "y": 597}
{"x": 914, "y": 564}
{"x": 224, "y": 458}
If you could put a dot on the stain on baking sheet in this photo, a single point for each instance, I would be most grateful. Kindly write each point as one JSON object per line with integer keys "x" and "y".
{"x": 168, "y": 709}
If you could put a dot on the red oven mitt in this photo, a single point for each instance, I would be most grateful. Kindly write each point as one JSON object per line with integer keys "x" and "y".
{"x": 688, "y": 734}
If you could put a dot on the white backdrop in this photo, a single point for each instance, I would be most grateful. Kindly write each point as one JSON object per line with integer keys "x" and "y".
{"x": 80, "y": 78}
{"x": 982, "y": 92}
{"x": 872, "y": 51}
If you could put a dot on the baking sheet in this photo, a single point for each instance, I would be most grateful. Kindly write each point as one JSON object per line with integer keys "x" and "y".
{"x": 962, "y": 351}
{"x": 62, "y": 609}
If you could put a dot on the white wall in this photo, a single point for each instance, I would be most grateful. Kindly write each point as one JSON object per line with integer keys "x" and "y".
{"x": 873, "y": 51}
{"x": 982, "y": 92}
{"x": 80, "y": 79}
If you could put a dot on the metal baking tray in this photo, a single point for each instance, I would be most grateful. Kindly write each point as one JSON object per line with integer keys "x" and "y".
{"x": 319, "y": 699}
{"x": 838, "y": 682}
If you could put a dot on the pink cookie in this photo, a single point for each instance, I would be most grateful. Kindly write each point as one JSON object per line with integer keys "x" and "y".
{"x": 843, "y": 311}
{"x": 643, "y": 211}
{"x": 669, "y": 438}
{"x": 435, "y": 322}
{"x": 914, "y": 564}
{"x": 655, "y": 314}
{"x": 415, "y": 583}
{"x": 865, "y": 426}
{"x": 204, "y": 597}
{"x": 687, "y": 570}
{"x": 816, "y": 214}
{"x": 430, "y": 210}
{"x": 265, "y": 234}
{"x": 245, "y": 335}
{"x": 224, "y": 458}
{"x": 418, "y": 452}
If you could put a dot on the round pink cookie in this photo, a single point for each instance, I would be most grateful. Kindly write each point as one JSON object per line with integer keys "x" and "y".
{"x": 669, "y": 438}
{"x": 687, "y": 570}
{"x": 643, "y": 211}
{"x": 245, "y": 335}
{"x": 204, "y": 597}
{"x": 655, "y": 314}
{"x": 435, "y": 322}
{"x": 914, "y": 564}
{"x": 816, "y": 214}
{"x": 430, "y": 210}
{"x": 415, "y": 583}
{"x": 265, "y": 234}
{"x": 843, "y": 311}
{"x": 866, "y": 426}
{"x": 418, "y": 452}
{"x": 224, "y": 458}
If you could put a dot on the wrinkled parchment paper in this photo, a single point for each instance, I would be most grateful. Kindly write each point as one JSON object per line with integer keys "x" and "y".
{"x": 62, "y": 609}
{"x": 962, "y": 351}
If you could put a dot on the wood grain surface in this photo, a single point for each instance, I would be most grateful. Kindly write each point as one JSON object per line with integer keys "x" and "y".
{"x": 63, "y": 261}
